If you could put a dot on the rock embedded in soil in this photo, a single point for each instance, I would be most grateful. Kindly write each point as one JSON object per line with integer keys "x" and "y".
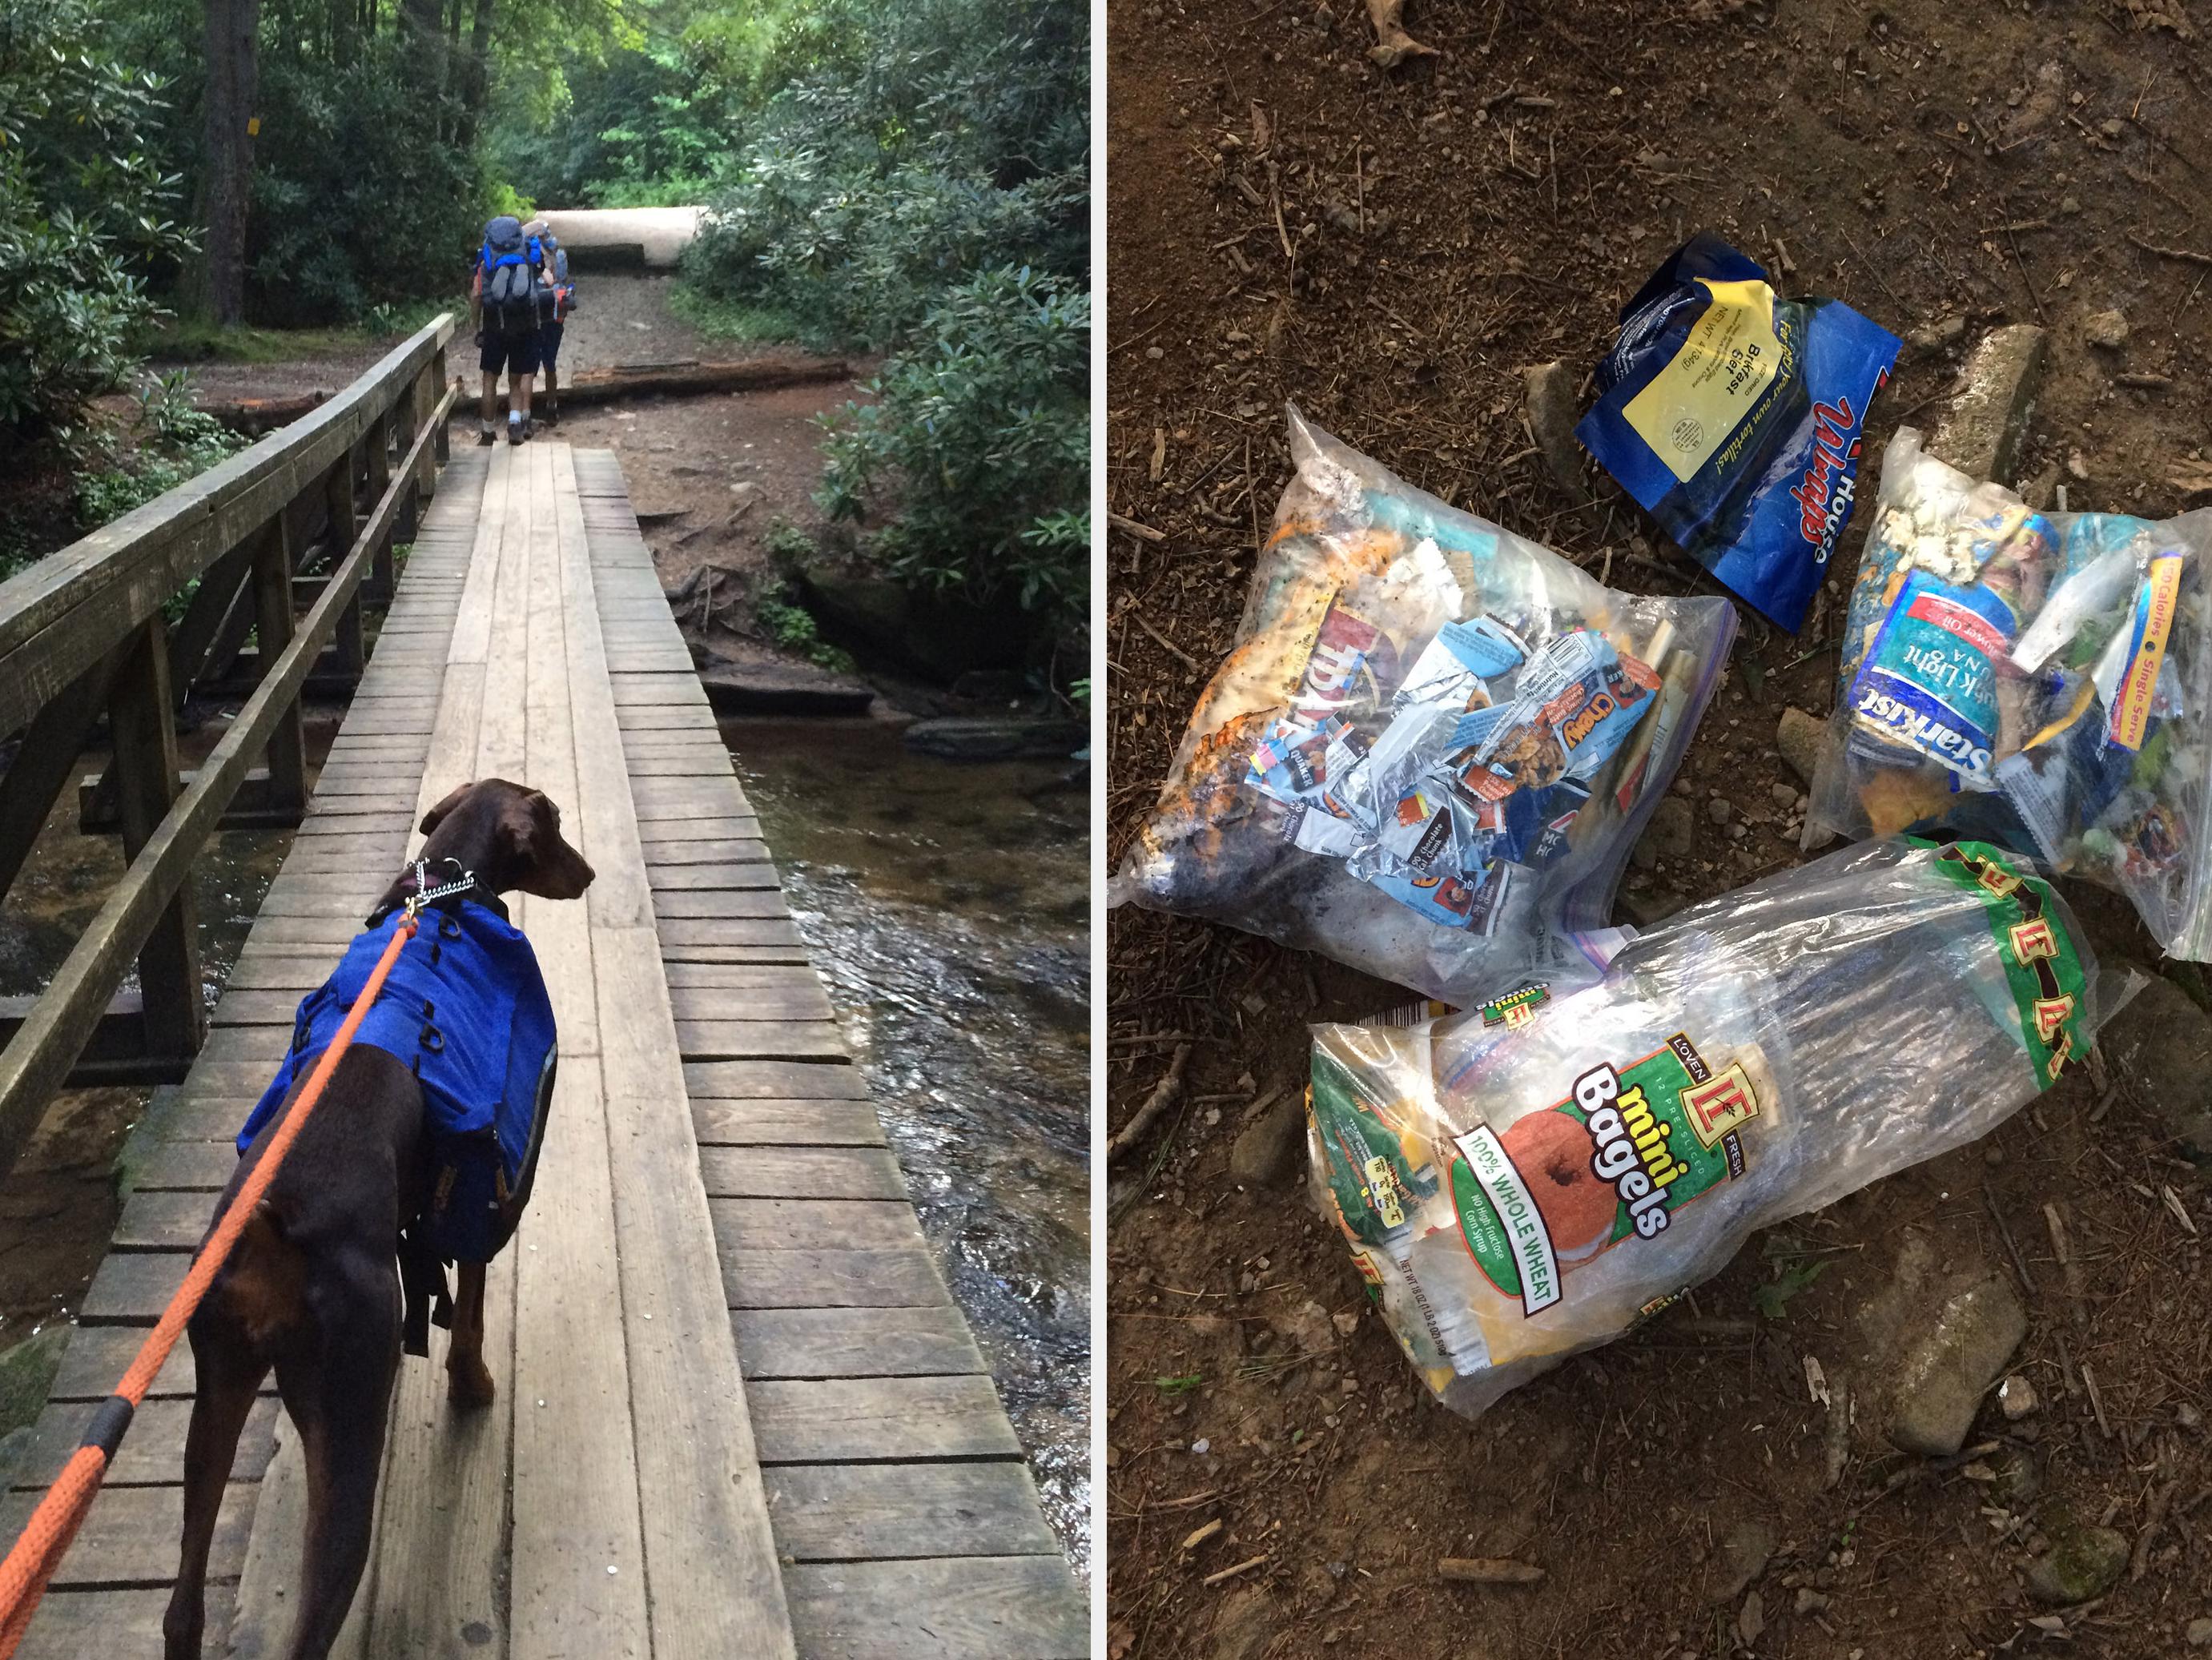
{"x": 1673, "y": 830}
{"x": 1741, "y": 1558}
{"x": 2105, "y": 329}
{"x": 2200, "y": 1633}
{"x": 1944, "y": 1373}
{"x": 2016, "y": 1398}
{"x": 783, "y": 687}
{"x": 2160, "y": 1049}
{"x": 1981, "y": 432}
{"x": 2081, "y": 1565}
{"x": 1798, "y": 737}
{"x": 1551, "y": 409}
{"x": 1246, "y": 1626}
{"x": 1266, "y": 1149}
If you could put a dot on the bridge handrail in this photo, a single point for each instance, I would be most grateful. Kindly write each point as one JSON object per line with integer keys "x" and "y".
{"x": 83, "y": 632}
{"x": 60, "y": 616}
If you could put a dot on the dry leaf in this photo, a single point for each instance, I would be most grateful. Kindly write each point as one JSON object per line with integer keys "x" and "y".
{"x": 1392, "y": 46}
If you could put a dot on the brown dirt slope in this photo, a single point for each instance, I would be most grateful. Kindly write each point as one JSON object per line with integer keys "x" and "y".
{"x": 1441, "y": 226}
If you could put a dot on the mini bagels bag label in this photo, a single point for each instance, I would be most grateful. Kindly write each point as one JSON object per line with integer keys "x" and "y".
{"x": 1626, "y": 1149}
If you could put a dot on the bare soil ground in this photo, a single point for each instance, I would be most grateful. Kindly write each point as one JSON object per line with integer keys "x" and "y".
{"x": 1439, "y": 228}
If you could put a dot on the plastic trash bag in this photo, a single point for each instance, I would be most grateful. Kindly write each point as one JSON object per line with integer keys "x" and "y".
{"x": 1733, "y": 416}
{"x": 2037, "y": 680}
{"x": 1433, "y": 744}
{"x": 1530, "y": 1179}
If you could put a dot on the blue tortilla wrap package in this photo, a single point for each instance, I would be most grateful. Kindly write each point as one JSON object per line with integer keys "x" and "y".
{"x": 1733, "y": 417}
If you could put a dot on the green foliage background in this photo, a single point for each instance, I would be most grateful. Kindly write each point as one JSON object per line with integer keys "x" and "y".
{"x": 900, "y": 176}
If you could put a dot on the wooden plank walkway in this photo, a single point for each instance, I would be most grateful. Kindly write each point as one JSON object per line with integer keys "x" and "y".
{"x": 715, "y": 1184}
{"x": 905, "y": 1518}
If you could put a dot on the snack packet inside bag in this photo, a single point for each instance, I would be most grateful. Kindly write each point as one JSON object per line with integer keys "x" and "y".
{"x": 1432, "y": 745}
{"x": 2037, "y": 680}
{"x": 1522, "y": 1182}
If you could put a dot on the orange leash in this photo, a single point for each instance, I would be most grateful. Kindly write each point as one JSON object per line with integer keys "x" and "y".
{"x": 46, "y": 1537}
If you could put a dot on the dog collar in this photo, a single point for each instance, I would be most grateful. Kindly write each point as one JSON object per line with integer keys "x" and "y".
{"x": 418, "y": 893}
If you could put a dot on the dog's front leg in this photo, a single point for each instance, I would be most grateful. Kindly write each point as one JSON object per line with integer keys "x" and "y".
{"x": 229, "y": 1376}
{"x": 468, "y": 1380}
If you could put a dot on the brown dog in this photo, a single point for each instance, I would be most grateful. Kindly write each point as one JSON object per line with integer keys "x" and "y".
{"x": 312, "y": 1288}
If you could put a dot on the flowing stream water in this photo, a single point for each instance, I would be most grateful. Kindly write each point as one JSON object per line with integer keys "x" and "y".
{"x": 947, "y": 905}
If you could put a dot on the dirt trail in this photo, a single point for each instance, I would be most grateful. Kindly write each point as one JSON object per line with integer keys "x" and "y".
{"x": 1439, "y": 228}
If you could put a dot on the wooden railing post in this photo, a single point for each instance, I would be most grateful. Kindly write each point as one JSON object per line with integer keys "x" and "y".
{"x": 380, "y": 479}
{"x": 410, "y": 499}
{"x": 272, "y": 628}
{"x": 338, "y": 494}
{"x": 145, "y": 767}
{"x": 439, "y": 439}
{"x": 430, "y": 387}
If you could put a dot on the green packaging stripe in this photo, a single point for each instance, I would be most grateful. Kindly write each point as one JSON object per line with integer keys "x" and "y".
{"x": 2043, "y": 967}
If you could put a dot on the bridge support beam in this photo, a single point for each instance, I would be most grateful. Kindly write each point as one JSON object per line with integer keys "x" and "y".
{"x": 273, "y": 624}
{"x": 145, "y": 767}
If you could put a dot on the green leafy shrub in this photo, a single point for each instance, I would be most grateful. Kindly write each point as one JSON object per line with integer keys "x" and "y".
{"x": 792, "y": 628}
{"x": 176, "y": 442}
{"x": 85, "y": 216}
{"x": 912, "y": 146}
{"x": 979, "y": 445}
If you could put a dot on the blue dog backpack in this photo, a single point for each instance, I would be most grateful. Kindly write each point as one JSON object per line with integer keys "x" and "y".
{"x": 465, "y": 1007}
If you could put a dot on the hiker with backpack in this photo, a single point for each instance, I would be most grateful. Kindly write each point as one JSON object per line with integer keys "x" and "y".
{"x": 504, "y": 302}
{"x": 558, "y": 298}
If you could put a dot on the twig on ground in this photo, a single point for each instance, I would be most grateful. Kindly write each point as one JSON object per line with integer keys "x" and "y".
{"x": 1230, "y": 1573}
{"x": 2188, "y": 254}
{"x": 1165, "y": 1094}
{"x": 1487, "y": 1571}
{"x": 1162, "y": 641}
{"x": 1130, "y": 526}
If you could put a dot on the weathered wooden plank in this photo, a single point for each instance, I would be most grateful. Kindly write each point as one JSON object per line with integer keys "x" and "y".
{"x": 773, "y": 1081}
{"x": 130, "y": 1536}
{"x": 999, "y": 1607}
{"x": 810, "y": 1223}
{"x": 163, "y": 1222}
{"x": 863, "y": 1342}
{"x": 802, "y": 1000}
{"x": 841, "y": 1512}
{"x": 766, "y": 1040}
{"x": 685, "y": 978}
{"x": 671, "y": 904}
{"x": 800, "y": 1173}
{"x": 133, "y": 1288}
{"x": 839, "y": 1420}
{"x": 883, "y": 1277}
{"x": 663, "y": 856}
{"x": 152, "y": 1454}
{"x": 734, "y": 874}
{"x": 699, "y": 827}
{"x": 72, "y": 1625}
{"x": 787, "y": 1123}
{"x": 727, "y": 931}
{"x": 195, "y": 1166}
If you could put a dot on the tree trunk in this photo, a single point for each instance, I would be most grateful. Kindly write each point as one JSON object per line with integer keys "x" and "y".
{"x": 342, "y": 28}
{"x": 233, "y": 29}
{"x": 474, "y": 79}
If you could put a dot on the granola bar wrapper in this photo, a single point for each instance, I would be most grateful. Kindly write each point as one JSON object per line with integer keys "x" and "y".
{"x": 2038, "y": 680}
{"x": 1431, "y": 746}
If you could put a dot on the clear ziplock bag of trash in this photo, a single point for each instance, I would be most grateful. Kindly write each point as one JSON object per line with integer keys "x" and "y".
{"x": 2037, "y": 680}
{"x": 1530, "y": 1179}
{"x": 1432, "y": 745}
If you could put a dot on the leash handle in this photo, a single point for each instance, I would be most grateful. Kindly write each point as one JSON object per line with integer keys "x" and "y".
{"x": 46, "y": 1537}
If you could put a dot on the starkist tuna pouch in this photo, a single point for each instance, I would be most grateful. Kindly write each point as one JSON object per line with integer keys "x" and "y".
{"x": 1733, "y": 416}
{"x": 1532, "y": 1178}
{"x": 1432, "y": 745}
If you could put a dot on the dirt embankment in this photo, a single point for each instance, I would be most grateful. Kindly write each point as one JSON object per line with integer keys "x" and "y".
{"x": 1287, "y": 220}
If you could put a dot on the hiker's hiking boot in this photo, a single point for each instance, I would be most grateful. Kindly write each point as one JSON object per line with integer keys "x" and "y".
{"x": 486, "y": 437}
{"x": 514, "y": 432}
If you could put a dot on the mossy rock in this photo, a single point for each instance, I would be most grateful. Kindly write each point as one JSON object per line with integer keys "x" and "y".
{"x": 27, "y": 1372}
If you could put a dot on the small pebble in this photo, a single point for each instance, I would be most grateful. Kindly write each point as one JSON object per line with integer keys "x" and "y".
{"x": 1785, "y": 795}
{"x": 2200, "y": 1633}
{"x": 1719, "y": 809}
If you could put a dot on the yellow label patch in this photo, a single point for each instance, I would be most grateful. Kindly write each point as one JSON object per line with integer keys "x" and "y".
{"x": 1728, "y": 361}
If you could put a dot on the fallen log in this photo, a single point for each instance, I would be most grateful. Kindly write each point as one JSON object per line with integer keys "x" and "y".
{"x": 688, "y": 379}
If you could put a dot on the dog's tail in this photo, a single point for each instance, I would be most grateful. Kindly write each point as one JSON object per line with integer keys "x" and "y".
{"x": 264, "y": 1286}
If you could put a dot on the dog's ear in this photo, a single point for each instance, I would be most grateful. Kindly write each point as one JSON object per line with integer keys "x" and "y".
{"x": 544, "y": 863}
{"x": 436, "y": 816}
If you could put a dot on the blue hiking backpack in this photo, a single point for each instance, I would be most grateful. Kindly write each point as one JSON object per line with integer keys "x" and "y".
{"x": 511, "y": 261}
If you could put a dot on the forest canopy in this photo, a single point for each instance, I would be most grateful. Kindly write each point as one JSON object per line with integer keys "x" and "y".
{"x": 899, "y": 176}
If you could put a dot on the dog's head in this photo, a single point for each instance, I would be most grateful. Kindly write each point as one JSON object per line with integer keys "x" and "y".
{"x": 510, "y": 836}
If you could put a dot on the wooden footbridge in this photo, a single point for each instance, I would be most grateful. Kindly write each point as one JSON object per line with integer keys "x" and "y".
{"x": 738, "y": 1414}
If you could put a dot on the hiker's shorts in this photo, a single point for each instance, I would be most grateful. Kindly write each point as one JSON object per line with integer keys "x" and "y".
{"x": 548, "y": 343}
{"x": 515, "y": 350}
